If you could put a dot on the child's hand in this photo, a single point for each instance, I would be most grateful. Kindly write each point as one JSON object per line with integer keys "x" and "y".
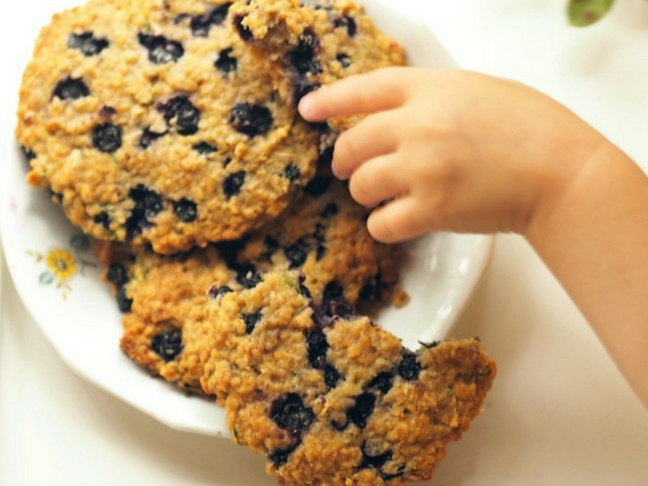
{"x": 451, "y": 150}
{"x": 459, "y": 151}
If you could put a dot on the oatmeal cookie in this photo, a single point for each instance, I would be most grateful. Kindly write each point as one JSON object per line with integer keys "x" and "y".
{"x": 313, "y": 44}
{"x": 164, "y": 300}
{"x": 335, "y": 400}
{"x": 165, "y": 297}
{"x": 151, "y": 122}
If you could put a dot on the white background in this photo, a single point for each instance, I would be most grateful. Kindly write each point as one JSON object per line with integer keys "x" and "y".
{"x": 559, "y": 412}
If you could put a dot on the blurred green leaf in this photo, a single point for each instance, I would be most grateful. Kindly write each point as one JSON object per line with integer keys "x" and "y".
{"x": 586, "y": 12}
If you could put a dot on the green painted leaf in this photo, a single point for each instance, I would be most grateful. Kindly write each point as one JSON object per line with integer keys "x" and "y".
{"x": 46, "y": 278}
{"x": 586, "y": 12}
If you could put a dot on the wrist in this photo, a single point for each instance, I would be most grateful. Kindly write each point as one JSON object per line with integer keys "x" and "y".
{"x": 567, "y": 185}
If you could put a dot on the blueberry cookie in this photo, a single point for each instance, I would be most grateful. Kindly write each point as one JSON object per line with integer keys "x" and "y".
{"x": 335, "y": 400}
{"x": 149, "y": 121}
{"x": 323, "y": 236}
{"x": 164, "y": 299}
{"x": 314, "y": 44}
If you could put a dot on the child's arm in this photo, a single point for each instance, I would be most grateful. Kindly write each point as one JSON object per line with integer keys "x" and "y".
{"x": 459, "y": 151}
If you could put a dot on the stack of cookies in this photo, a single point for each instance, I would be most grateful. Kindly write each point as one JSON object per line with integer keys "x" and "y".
{"x": 168, "y": 131}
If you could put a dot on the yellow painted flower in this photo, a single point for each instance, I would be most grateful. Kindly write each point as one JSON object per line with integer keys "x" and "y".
{"x": 62, "y": 263}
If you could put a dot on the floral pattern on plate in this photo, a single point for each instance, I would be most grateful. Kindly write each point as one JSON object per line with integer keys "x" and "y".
{"x": 63, "y": 264}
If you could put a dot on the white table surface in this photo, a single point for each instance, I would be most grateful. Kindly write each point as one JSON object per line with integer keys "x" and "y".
{"x": 559, "y": 413}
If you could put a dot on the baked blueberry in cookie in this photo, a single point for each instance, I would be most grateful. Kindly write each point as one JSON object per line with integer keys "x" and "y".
{"x": 160, "y": 49}
{"x": 71, "y": 88}
{"x": 251, "y": 119}
{"x": 87, "y": 43}
{"x": 202, "y": 23}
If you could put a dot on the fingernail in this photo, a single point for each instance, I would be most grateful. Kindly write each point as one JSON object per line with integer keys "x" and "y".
{"x": 305, "y": 106}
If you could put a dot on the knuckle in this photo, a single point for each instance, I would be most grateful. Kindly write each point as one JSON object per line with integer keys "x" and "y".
{"x": 380, "y": 228}
{"x": 345, "y": 153}
{"x": 360, "y": 188}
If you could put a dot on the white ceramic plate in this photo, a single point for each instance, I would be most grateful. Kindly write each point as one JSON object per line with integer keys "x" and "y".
{"x": 58, "y": 279}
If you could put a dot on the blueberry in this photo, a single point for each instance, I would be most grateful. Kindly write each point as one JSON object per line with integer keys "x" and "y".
{"x": 117, "y": 274}
{"x": 382, "y": 382}
{"x": 168, "y": 345}
{"x": 179, "y": 111}
{"x": 107, "y": 111}
{"x": 107, "y": 137}
{"x": 333, "y": 305}
{"x": 204, "y": 148}
{"x": 303, "y": 57}
{"x": 375, "y": 462}
{"x": 291, "y": 414}
{"x": 361, "y": 410}
{"x": 331, "y": 209}
{"x": 331, "y": 376}
{"x": 279, "y": 457}
{"x": 339, "y": 307}
{"x": 87, "y": 43}
{"x": 148, "y": 137}
{"x": 317, "y": 186}
{"x": 216, "y": 291}
{"x": 371, "y": 290}
{"x": 400, "y": 472}
{"x": 317, "y": 346}
{"x": 232, "y": 183}
{"x": 348, "y": 23}
{"x": 226, "y": 63}
{"x": 244, "y": 32}
{"x": 250, "y": 119}
{"x": 409, "y": 368}
{"x": 332, "y": 291}
{"x": 343, "y": 59}
{"x": 292, "y": 173}
{"x": 147, "y": 205}
{"x": 200, "y": 24}
{"x": 248, "y": 276}
{"x": 160, "y": 49}
{"x": 321, "y": 316}
{"x": 186, "y": 210}
{"x": 297, "y": 253}
{"x": 251, "y": 320}
{"x": 150, "y": 201}
{"x": 102, "y": 219}
{"x": 123, "y": 302}
{"x": 70, "y": 89}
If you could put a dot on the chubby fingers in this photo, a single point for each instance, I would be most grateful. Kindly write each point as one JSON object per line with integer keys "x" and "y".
{"x": 399, "y": 220}
{"x": 365, "y": 93}
{"x": 374, "y": 136}
{"x": 378, "y": 180}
